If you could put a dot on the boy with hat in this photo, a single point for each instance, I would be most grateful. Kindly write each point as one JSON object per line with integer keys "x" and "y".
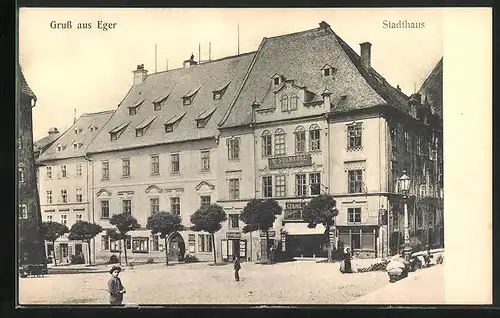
{"x": 115, "y": 287}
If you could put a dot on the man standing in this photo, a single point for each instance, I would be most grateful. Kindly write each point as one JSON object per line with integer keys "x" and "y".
{"x": 115, "y": 287}
{"x": 237, "y": 268}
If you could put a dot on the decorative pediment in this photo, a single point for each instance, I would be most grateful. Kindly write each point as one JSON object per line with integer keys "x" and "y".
{"x": 103, "y": 193}
{"x": 204, "y": 184}
{"x": 317, "y": 167}
{"x": 153, "y": 189}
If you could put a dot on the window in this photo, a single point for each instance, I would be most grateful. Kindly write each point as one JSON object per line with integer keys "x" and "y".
{"x": 114, "y": 245}
{"x": 326, "y": 72}
{"x": 21, "y": 174}
{"x": 267, "y": 186}
{"x": 49, "y": 218}
{"x": 114, "y": 135}
{"x": 48, "y": 172}
{"x": 139, "y": 132}
{"x": 64, "y": 196}
{"x": 315, "y": 183}
{"x": 191, "y": 242}
{"x": 78, "y": 169}
{"x": 267, "y": 144}
{"x": 104, "y": 209}
{"x": 174, "y": 160}
{"x": 79, "y": 195}
{"x": 175, "y": 205}
{"x": 354, "y": 136}
{"x": 294, "y": 100}
{"x": 64, "y": 219}
{"x": 155, "y": 205}
{"x": 104, "y": 243}
{"x": 132, "y": 111}
{"x": 300, "y": 185}
{"x": 355, "y": 240}
{"x": 105, "y": 170}
{"x": 204, "y": 200}
{"x": 300, "y": 139}
{"x": 279, "y": 142}
{"x": 79, "y": 217}
{"x": 169, "y": 127}
{"x": 155, "y": 165}
{"x": 280, "y": 186}
{"x": 284, "y": 103}
{"x": 407, "y": 141}
{"x": 64, "y": 173}
{"x": 355, "y": 181}
{"x": 128, "y": 243}
{"x": 23, "y": 211}
{"x": 140, "y": 245}
{"x": 157, "y": 106}
{"x": 234, "y": 221}
{"x": 155, "y": 243}
{"x": 276, "y": 81}
{"x": 127, "y": 206}
{"x": 205, "y": 160}
{"x": 358, "y": 238}
{"x": 354, "y": 215}
{"x": 49, "y": 196}
{"x": 75, "y": 145}
{"x": 217, "y": 95}
{"x": 204, "y": 243}
{"x": 418, "y": 145}
{"x": 314, "y": 138}
{"x": 394, "y": 138}
{"x": 125, "y": 167}
{"x": 186, "y": 101}
{"x": 234, "y": 149}
{"x": 234, "y": 189}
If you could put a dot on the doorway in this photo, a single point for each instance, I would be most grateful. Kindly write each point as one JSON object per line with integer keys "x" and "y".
{"x": 63, "y": 252}
{"x": 235, "y": 248}
{"x": 176, "y": 248}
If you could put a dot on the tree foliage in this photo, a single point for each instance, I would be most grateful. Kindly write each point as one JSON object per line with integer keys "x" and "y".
{"x": 124, "y": 222}
{"x": 164, "y": 223}
{"x": 51, "y": 231}
{"x": 320, "y": 210}
{"x": 260, "y": 214}
{"x": 84, "y": 231}
{"x": 209, "y": 218}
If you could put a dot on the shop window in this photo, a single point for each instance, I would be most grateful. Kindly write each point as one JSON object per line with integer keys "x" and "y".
{"x": 104, "y": 243}
{"x": 155, "y": 243}
{"x": 191, "y": 243}
{"x": 204, "y": 243}
{"x": 140, "y": 245}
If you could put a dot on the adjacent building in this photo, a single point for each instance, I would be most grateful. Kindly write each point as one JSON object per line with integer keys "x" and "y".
{"x": 63, "y": 178}
{"x": 30, "y": 248}
{"x": 44, "y": 143}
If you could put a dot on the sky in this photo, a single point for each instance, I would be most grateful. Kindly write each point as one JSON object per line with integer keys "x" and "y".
{"x": 90, "y": 70}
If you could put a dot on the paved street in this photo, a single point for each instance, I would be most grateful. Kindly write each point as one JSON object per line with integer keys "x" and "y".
{"x": 285, "y": 283}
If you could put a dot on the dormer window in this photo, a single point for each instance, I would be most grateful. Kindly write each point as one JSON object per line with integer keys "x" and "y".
{"x": 60, "y": 148}
{"x": 75, "y": 145}
{"x": 328, "y": 70}
{"x": 284, "y": 103}
{"x": 169, "y": 127}
{"x": 219, "y": 92}
{"x": 92, "y": 128}
{"x": 277, "y": 79}
{"x": 172, "y": 122}
{"x": 204, "y": 117}
{"x": 143, "y": 126}
{"x": 132, "y": 109}
{"x": 159, "y": 101}
{"x": 118, "y": 130}
{"x": 189, "y": 97}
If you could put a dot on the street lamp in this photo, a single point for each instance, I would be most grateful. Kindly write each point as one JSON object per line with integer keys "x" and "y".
{"x": 404, "y": 182}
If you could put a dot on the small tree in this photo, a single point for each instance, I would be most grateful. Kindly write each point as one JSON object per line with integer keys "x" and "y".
{"x": 321, "y": 210}
{"x": 51, "y": 231}
{"x": 124, "y": 222}
{"x": 115, "y": 236}
{"x": 209, "y": 219}
{"x": 260, "y": 215}
{"x": 84, "y": 231}
{"x": 164, "y": 223}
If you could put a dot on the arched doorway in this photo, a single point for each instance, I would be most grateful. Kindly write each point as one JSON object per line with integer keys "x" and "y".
{"x": 176, "y": 248}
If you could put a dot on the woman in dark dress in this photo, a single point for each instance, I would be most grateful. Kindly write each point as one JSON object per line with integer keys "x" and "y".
{"x": 347, "y": 261}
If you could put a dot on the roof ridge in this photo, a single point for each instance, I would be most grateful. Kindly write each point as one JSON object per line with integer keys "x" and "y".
{"x": 294, "y": 33}
{"x": 97, "y": 113}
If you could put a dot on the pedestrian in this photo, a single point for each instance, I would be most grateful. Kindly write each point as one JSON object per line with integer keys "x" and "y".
{"x": 237, "y": 268}
{"x": 115, "y": 287}
{"x": 347, "y": 261}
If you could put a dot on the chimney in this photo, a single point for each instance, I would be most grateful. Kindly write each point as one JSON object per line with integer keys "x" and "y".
{"x": 366, "y": 54}
{"x": 140, "y": 74}
{"x": 326, "y": 98}
{"x": 324, "y": 25}
{"x": 191, "y": 61}
{"x": 53, "y": 131}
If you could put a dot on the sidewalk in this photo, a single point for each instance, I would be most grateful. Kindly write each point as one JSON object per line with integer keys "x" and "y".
{"x": 424, "y": 286}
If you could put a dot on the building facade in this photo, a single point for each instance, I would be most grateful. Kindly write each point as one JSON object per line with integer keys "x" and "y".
{"x": 30, "y": 248}
{"x": 63, "y": 178}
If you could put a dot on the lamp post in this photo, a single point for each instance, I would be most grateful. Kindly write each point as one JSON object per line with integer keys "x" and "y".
{"x": 405, "y": 187}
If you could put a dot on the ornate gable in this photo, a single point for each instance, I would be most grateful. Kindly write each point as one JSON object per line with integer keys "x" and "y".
{"x": 152, "y": 189}
{"x": 103, "y": 193}
{"x": 204, "y": 186}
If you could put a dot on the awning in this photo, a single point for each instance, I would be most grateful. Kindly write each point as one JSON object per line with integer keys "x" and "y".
{"x": 139, "y": 233}
{"x": 302, "y": 229}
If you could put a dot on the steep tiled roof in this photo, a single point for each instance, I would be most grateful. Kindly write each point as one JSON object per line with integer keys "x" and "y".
{"x": 43, "y": 142}
{"x": 300, "y": 57}
{"x": 432, "y": 89}
{"x": 23, "y": 85}
{"x": 201, "y": 79}
{"x": 95, "y": 120}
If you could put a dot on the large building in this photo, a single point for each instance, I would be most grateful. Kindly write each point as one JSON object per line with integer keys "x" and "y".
{"x": 30, "y": 248}
{"x": 63, "y": 178}
{"x": 303, "y": 115}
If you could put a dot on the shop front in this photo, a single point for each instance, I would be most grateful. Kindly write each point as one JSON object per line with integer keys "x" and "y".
{"x": 233, "y": 246}
{"x": 361, "y": 240}
{"x": 298, "y": 240}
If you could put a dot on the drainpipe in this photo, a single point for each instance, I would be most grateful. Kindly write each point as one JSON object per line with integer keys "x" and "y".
{"x": 91, "y": 164}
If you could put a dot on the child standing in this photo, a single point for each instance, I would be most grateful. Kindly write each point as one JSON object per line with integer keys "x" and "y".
{"x": 115, "y": 287}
